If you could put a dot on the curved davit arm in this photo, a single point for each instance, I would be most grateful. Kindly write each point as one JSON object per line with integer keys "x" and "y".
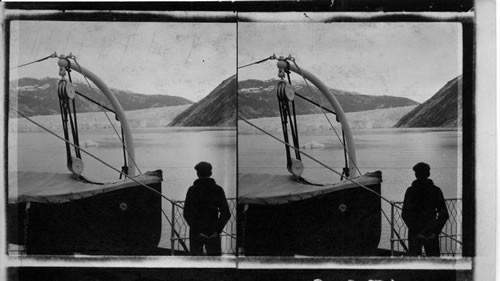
{"x": 338, "y": 110}
{"x": 127, "y": 134}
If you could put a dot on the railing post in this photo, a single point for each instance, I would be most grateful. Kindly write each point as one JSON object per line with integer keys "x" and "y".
{"x": 26, "y": 226}
{"x": 172, "y": 230}
{"x": 392, "y": 229}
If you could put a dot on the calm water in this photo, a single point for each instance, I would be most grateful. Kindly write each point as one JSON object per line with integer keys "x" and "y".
{"x": 393, "y": 151}
{"x": 174, "y": 150}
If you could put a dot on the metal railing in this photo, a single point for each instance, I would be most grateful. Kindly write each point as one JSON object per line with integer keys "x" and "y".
{"x": 450, "y": 239}
{"x": 179, "y": 236}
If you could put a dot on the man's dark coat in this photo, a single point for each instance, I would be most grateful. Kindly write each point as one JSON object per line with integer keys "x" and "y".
{"x": 206, "y": 210}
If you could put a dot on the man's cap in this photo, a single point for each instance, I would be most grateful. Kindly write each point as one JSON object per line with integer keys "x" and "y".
{"x": 203, "y": 168}
{"x": 421, "y": 167}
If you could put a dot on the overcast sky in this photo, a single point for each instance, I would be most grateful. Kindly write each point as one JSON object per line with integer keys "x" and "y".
{"x": 181, "y": 59}
{"x": 411, "y": 60}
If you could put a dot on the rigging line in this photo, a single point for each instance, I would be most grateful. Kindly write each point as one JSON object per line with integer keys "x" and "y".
{"x": 257, "y": 62}
{"x": 76, "y": 138}
{"x": 452, "y": 238}
{"x": 315, "y": 103}
{"x": 175, "y": 232}
{"x": 285, "y": 135}
{"x": 65, "y": 130}
{"x": 401, "y": 240}
{"x": 345, "y": 154}
{"x": 326, "y": 116}
{"x": 107, "y": 117}
{"x": 109, "y": 120}
{"x": 296, "y": 138}
{"x": 326, "y": 166}
{"x": 95, "y": 102}
{"x": 395, "y": 232}
{"x": 73, "y": 131}
{"x": 286, "y": 114}
{"x": 35, "y": 61}
{"x": 125, "y": 166}
{"x": 283, "y": 99}
{"x": 284, "y": 121}
{"x": 174, "y": 203}
{"x": 95, "y": 157}
{"x": 293, "y": 129}
{"x": 319, "y": 162}
{"x": 182, "y": 207}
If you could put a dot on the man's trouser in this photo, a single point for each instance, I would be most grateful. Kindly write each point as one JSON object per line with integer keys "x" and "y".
{"x": 415, "y": 244}
{"x": 197, "y": 242}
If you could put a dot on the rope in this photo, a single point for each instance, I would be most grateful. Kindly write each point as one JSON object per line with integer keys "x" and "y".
{"x": 107, "y": 117}
{"x": 346, "y": 168}
{"x": 65, "y": 106}
{"x": 95, "y": 157}
{"x": 125, "y": 167}
{"x": 324, "y": 165}
{"x": 326, "y": 116}
{"x": 93, "y": 101}
{"x": 257, "y": 62}
{"x": 175, "y": 232}
{"x": 395, "y": 232}
{"x": 74, "y": 128}
{"x": 76, "y": 137}
{"x": 315, "y": 103}
{"x": 65, "y": 131}
{"x": 319, "y": 162}
{"x": 323, "y": 109}
{"x": 287, "y": 112}
{"x": 295, "y": 132}
{"x": 174, "y": 203}
{"x": 284, "y": 127}
{"x": 35, "y": 61}
{"x": 396, "y": 204}
{"x": 68, "y": 143}
{"x": 54, "y": 55}
{"x": 452, "y": 238}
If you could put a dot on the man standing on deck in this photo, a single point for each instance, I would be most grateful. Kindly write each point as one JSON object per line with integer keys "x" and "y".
{"x": 206, "y": 212}
{"x": 424, "y": 212}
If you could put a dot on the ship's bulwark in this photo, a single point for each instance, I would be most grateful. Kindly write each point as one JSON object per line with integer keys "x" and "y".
{"x": 125, "y": 221}
{"x": 344, "y": 222}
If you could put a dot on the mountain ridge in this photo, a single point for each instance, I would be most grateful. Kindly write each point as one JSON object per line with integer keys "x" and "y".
{"x": 218, "y": 108}
{"x": 39, "y": 97}
{"x": 258, "y": 99}
{"x": 441, "y": 110}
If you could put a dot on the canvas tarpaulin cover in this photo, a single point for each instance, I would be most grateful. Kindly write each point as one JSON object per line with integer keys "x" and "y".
{"x": 265, "y": 189}
{"x": 44, "y": 187}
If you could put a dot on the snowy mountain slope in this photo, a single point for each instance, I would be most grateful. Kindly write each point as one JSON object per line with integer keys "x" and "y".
{"x": 257, "y": 99}
{"x": 39, "y": 97}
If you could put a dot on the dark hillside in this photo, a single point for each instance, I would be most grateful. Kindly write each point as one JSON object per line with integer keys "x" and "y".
{"x": 441, "y": 110}
{"x": 218, "y": 108}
